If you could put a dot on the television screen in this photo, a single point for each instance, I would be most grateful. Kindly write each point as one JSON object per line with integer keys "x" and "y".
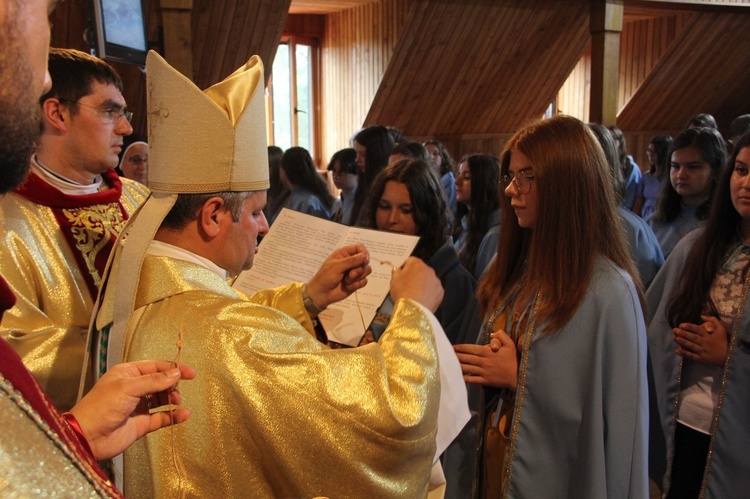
{"x": 121, "y": 30}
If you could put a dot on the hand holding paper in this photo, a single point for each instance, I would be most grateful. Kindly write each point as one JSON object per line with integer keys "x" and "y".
{"x": 341, "y": 274}
{"x": 417, "y": 281}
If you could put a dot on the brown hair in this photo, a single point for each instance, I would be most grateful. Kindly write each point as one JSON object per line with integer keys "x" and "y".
{"x": 430, "y": 210}
{"x": 576, "y": 221}
{"x": 709, "y": 252}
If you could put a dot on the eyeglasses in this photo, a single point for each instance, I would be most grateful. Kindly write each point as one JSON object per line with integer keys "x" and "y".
{"x": 522, "y": 181}
{"x": 110, "y": 115}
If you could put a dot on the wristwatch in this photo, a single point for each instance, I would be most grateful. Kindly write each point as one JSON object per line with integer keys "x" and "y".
{"x": 311, "y": 307}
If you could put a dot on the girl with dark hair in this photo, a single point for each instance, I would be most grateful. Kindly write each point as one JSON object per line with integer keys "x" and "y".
{"x": 443, "y": 162}
{"x": 408, "y": 149}
{"x": 640, "y": 239}
{"x": 698, "y": 339}
{"x": 477, "y": 229}
{"x": 631, "y": 172}
{"x": 308, "y": 192}
{"x": 276, "y": 193}
{"x": 406, "y": 198}
{"x": 696, "y": 159}
{"x": 561, "y": 362}
{"x": 345, "y": 173}
{"x": 373, "y": 145}
{"x": 653, "y": 180}
{"x": 702, "y": 120}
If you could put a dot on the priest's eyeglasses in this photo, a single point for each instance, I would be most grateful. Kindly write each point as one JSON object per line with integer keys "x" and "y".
{"x": 110, "y": 115}
{"x": 521, "y": 181}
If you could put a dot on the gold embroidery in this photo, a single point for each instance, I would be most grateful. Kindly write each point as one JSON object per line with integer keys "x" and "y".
{"x": 93, "y": 227}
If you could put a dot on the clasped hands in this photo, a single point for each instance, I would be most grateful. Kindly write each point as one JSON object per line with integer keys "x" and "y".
{"x": 707, "y": 342}
{"x": 495, "y": 364}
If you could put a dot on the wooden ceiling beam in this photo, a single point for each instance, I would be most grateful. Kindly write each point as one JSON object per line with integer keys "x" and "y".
{"x": 606, "y": 25}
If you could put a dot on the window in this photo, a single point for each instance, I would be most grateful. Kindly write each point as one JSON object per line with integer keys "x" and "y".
{"x": 291, "y": 98}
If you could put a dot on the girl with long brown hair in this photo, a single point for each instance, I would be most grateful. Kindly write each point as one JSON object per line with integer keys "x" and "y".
{"x": 699, "y": 346}
{"x": 561, "y": 357}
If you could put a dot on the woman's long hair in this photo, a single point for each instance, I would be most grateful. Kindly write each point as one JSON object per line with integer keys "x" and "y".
{"x": 485, "y": 199}
{"x": 576, "y": 221}
{"x": 301, "y": 171}
{"x": 347, "y": 159}
{"x": 429, "y": 208}
{"x": 447, "y": 164}
{"x": 277, "y": 193}
{"x": 709, "y": 252}
{"x": 378, "y": 143}
{"x": 662, "y": 145}
{"x": 609, "y": 148}
{"x": 713, "y": 150}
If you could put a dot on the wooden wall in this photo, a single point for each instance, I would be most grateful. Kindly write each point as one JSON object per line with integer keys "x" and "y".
{"x": 226, "y": 33}
{"x": 467, "y": 73}
{"x": 573, "y": 97}
{"x": 645, "y": 38}
{"x": 642, "y": 43}
{"x": 356, "y": 51}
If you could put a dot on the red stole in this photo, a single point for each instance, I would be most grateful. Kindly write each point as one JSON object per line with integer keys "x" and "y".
{"x": 89, "y": 223}
{"x": 7, "y": 298}
{"x": 14, "y": 371}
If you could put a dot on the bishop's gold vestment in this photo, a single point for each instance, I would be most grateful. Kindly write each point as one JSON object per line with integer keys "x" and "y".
{"x": 275, "y": 413}
{"x": 49, "y": 323}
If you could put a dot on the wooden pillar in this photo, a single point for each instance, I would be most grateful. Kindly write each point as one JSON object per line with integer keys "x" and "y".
{"x": 606, "y": 26}
{"x": 178, "y": 38}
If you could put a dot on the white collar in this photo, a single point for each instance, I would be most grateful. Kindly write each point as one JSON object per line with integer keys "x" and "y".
{"x": 160, "y": 248}
{"x": 64, "y": 184}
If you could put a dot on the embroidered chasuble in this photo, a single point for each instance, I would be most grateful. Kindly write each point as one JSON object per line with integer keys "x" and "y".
{"x": 54, "y": 250}
{"x": 40, "y": 450}
{"x": 274, "y": 412}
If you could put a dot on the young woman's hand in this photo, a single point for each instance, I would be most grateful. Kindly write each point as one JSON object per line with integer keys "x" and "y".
{"x": 707, "y": 342}
{"x": 495, "y": 364}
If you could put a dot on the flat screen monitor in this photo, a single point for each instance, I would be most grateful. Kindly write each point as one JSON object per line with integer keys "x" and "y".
{"x": 120, "y": 30}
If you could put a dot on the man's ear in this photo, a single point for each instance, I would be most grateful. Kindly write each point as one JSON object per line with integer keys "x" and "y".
{"x": 55, "y": 114}
{"x": 211, "y": 215}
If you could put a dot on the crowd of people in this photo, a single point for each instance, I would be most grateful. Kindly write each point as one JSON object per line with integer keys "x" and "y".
{"x": 596, "y": 311}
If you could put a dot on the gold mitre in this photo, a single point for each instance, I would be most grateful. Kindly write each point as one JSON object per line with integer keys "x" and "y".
{"x": 210, "y": 141}
{"x": 199, "y": 143}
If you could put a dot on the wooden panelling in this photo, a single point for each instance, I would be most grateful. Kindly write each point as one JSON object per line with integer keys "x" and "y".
{"x": 499, "y": 65}
{"x": 642, "y": 45}
{"x": 325, "y": 6}
{"x": 307, "y": 25}
{"x": 703, "y": 70}
{"x": 573, "y": 97}
{"x": 356, "y": 50}
{"x": 643, "y": 41}
{"x": 227, "y": 32}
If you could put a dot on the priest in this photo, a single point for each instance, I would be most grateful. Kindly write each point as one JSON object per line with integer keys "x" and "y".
{"x": 275, "y": 412}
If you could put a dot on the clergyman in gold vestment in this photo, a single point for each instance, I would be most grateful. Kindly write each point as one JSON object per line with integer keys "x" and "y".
{"x": 59, "y": 227}
{"x": 275, "y": 412}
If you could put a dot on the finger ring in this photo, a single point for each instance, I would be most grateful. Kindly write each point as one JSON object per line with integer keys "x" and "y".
{"x": 148, "y": 401}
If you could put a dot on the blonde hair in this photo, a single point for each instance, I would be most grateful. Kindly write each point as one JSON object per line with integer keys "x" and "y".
{"x": 576, "y": 223}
